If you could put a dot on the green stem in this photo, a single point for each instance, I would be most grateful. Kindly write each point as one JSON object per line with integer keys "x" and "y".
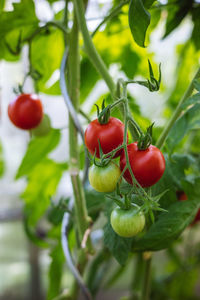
{"x": 112, "y": 14}
{"x": 90, "y": 48}
{"x": 177, "y": 112}
{"x": 73, "y": 84}
{"x": 137, "y": 275}
{"x": 147, "y": 280}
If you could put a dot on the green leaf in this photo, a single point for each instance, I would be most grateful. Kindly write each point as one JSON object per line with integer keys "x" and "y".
{"x": 171, "y": 224}
{"x": 46, "y": 55}
{"x": 56, "y": 211}
{"x": 55, "y": 272}
{"x": 175, "y": 173}
{"x": 43, "y": 180}
{"x": 22, "y": 16}
{"x": 139, "y": 20}
{"x": 37, "y": 149}
{"x": 196, "y": 28}
{"x": 189, "y": 120}
{"x": 95, "y": 202}
{"x": 193, "y": 99}
{"x": 118, "y": 246}
{"x": 2, "y": 4}
{"x": 197, "y": 84}
{"x": 130, "y": 61}
{"x": 89, "y": 77}
{"x": 148, "y": 3}
{"x": 176, "y": 14}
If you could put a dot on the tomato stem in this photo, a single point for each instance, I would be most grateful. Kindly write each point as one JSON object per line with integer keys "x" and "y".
{"x": 147, "y": 279}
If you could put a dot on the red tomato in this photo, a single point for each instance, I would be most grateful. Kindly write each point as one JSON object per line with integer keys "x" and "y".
{"x": 110, "y": 136}
{"x": 147, "y": 165}
{"x": 26, "y": 111}
{"x": 182, "y": 196}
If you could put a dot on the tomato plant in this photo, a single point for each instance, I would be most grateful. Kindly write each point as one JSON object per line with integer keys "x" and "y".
{"x": 104, "y": 179}
{"x": 49, "y": 46}
{"x": 127, "y": 222}
{"x": 26, "y": 111}
{"x": 110, "y": 136}
{"x": 147, "y": 165}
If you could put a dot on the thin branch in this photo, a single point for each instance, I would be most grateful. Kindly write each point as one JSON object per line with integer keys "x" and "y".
{"x": 111, "y": 15}
{"x": 71, "y": 265}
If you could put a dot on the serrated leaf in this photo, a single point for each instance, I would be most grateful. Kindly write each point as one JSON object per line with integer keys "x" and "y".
{"x": 171, "y": 224}
{"x": 37, "y": 149}
{"x": 118, "y": 246}
{"x": 168, "y": 226}
{"x": 139, "y": 20}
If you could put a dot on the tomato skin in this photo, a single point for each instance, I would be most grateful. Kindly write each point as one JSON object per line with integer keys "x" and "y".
{"x": 182, "y": 197}
{"x": 147, "y": 165}
{"x": 110, "y": 136}
{"x": 43, "y": 128}
{"x": 26, "y": 111}
{"x": 127, "y": 223}
{"x": 104, "y": 179}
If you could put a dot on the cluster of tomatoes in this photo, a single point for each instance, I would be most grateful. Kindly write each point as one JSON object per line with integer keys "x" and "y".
{"x": 26, "y": 112}
{"x": 147, "y": 165}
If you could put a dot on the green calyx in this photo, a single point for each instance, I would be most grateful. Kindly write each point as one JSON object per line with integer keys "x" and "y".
{"x": 104, "y": 115}
{"x": 103, "y": 161}
{"x": 124, "y": 204}
{"x": 145, "y": 140}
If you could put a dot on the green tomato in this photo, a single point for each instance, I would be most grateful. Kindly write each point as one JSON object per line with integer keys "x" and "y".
{"x": 127, "y": 223}
{"x": 43, "y": 128}
{"x": 104, "y": 179}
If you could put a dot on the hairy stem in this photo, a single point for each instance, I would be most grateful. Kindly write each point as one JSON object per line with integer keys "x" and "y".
{"x": 177, "y": 112}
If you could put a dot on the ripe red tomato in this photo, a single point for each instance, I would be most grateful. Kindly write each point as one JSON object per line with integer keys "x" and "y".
{"x": 182, "y": 196}
{"x": 147, "y": 165}
{"x": 110, "y": 136}
{"x": 26, "y": 111}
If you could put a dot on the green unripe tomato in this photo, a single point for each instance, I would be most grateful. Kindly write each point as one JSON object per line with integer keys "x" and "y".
{"x": 43, "y": 128}
{"x": 104, "y": 179}
{"x": 127, "y": 223}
